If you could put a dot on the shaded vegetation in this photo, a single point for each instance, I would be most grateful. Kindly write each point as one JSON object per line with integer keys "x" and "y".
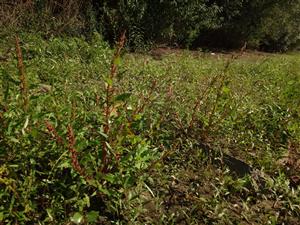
{"x": 193, "y": 23}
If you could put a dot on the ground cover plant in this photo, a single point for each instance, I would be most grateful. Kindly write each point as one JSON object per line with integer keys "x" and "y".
{"x": 93, "y": 135}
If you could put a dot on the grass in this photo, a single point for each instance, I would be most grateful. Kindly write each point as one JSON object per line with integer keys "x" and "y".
{"x": 144, "y": 141}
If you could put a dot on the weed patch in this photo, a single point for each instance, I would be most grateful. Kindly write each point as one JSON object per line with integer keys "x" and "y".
{"x": 92, "y": 135}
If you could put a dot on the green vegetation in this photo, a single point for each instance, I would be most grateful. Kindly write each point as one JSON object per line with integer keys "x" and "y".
{"x": 192, "y": 23}
{"x": 147, "y": 133}
{"x": 92, "y": 135}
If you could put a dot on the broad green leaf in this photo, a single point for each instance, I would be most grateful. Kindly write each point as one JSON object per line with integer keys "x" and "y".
{"x": 92, "y": 216}
{"x": 77, "y": 218}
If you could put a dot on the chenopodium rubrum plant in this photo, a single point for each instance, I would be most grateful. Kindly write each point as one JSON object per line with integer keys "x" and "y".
{"x": 122, "y": 154}
{"x": 124, "y": 151}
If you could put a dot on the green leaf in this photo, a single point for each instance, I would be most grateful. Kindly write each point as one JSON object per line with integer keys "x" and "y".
{"x": 130, "y": 181}
{"x": 104, "y": 190}
{"x": 77, "y": 218}
{"x": 65, "y": 164}
{"x": 92, "y": 216}
{"x": 49, "y": 212}
{"x": 138, "y": 117}
{"x": 34, "y": 133}
{"x": 109, "y": 81}
{"x": 87, "y": 200}
{"x": 103, "y": 134}
{"x": 110, "y": 178}
{"x": 117, "y": 61}
{"x": 122, "y": 97}
{"x": 226, "y": 90}
{"x": 13, "y": 139}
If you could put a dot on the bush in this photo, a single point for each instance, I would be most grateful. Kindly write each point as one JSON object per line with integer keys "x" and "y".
{"x": 280, "y": 34}
{"x": 194, "y": 23}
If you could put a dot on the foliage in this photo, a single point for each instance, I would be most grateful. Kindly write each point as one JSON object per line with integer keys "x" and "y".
{"x": 283, "y": 34}
{"x": 55, "y": 144}
{"x": 194, "y": 23}
{"x": 116, "y": 139}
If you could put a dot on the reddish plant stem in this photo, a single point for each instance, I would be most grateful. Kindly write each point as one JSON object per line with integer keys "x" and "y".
{"x": 21, "y": 68}
{"x": 74, "y": 154}
{"x": 109, "y": 93}
{"x": 54, "y": 133}
{"x": 146, "y": 99}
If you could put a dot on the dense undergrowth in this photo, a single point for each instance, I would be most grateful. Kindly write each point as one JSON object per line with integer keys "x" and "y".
{"x": 95, "y": 136}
